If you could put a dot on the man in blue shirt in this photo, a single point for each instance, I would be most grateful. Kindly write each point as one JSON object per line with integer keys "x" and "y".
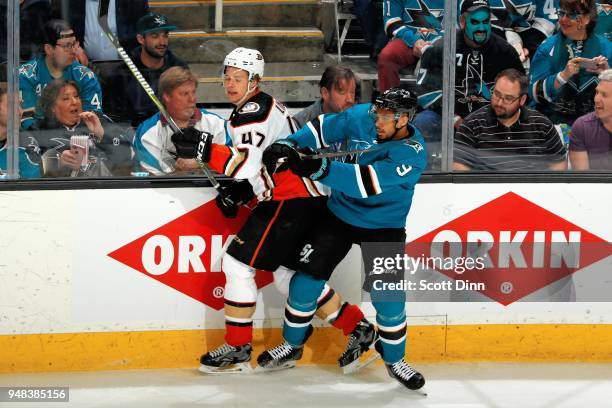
{"x": 371, "y": 196}
{"x": 58, "y": 61}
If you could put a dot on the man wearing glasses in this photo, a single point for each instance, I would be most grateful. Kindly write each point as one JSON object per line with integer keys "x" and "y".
{"x": 507, "y": 135}
{"x": 57, "y": 61}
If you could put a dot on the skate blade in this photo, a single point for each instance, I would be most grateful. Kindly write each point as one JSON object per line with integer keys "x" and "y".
{"x": 284, "y": 366}
{"x": 363, "y": 361}
{"x": 240, "y": 368}
{"x": 421, "y": 391}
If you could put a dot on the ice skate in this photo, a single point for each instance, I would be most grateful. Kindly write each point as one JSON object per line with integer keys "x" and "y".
{"x": 227, "y": 359}
{"x": 405, "y": 374}
{"x": 358, "y": 353}
{"x": 279, "y": 358}
{"x": 282, "y": 356}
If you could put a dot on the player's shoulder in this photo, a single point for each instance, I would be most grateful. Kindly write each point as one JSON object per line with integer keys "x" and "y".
{"x": 356, "y": 112}
{"x": 255, "y": 110}
{"x": 413, "y": 145}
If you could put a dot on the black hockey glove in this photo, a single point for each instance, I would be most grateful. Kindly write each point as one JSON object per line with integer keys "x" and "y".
{"x": 232, "y": 196}
{"x": 186, "y": 142}
{"x": 204, "y": 147}
{"x": 314, "y": 169}
{"x": 282, "y": 149}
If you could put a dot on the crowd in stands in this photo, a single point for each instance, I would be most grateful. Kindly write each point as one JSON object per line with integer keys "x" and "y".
{"x": 532, "y": 85}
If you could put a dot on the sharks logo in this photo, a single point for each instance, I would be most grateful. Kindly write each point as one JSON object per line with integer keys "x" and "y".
{"x": 427, "y": 22}
{"x": 515, "y": 16}
{"x": 356, "y": 145}
{"x": 83, "y": 72}
{"x": 28, "y": 70}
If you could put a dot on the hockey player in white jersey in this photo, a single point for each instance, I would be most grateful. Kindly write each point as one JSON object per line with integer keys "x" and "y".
{"x": 272, "y": 234}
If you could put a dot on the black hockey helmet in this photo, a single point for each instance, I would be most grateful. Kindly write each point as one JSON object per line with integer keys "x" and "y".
{"x": 399, "y": 100}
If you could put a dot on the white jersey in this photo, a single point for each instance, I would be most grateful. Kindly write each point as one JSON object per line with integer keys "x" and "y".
{"x": 261, "y": 121}
{"x": 153, "y": 146}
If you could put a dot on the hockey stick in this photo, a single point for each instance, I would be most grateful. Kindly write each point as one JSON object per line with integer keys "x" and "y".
{"x": 330, "y": 155}
{"x": 103, "y": 21}
{"x": 340, "y": 153}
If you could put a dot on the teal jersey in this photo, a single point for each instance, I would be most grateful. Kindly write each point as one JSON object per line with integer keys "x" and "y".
{"x": 34, "y": 76}
{"x": 27, "y": 168}
{"x": 372, "y": 189}
{"x": 411, "y": 20}
{"x": 604, "y": 19}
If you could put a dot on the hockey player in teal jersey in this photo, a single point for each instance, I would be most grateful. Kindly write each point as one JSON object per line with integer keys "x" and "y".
{"x": 58, "y": 61}
{"x": 371, "y": 196}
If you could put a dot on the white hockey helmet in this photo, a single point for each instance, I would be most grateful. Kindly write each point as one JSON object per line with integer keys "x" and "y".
{"x": 247, "y": 59}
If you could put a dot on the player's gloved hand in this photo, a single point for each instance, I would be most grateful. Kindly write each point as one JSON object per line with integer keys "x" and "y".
{"x": 282, "y": 149}
{"x": 232, "y": 196}
{"x": 204, "y": 147}
{"x": 314, "y": 169}
{"x": 186, "y": 142}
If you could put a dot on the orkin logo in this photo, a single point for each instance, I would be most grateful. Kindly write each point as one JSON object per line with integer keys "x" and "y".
{"x": 186, "y": 253}
{"x": 522, "y": 246}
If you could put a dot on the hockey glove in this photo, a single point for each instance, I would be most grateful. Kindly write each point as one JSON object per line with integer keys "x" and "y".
{"x": 282, "y": 149}
{"x": 314, "y": 169}
{"x": 232, "y": 196}
{"x": 186, "y": 142}
{"x": 204, "y": 147}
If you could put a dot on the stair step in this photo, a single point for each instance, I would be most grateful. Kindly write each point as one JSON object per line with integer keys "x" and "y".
{"x": 258, "y": 13}
{"x": 276, "y": 45}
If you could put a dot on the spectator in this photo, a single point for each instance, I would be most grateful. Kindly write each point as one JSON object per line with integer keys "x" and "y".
{"x": 108, "y": 147}
{"x": 127, "y": 101}
{"x": 507, "y": 135}
{"x": 525, "y": 24}
{"x": 152, "y": 144}
{"x": 565, "y": 68}
{"x": 58, "y": 61}
{"x": 412, "y": 25}
{"x": 480, "y": 56}
{"x": 28, "y": 158}
{"x": 337, "y": 87}
{"x": 591, "y": 141}
{"x": 122, "y": 18}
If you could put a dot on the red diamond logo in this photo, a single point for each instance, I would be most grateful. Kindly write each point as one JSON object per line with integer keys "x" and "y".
{"x": 523, "y": 247}
{"x": 185, "y": 254}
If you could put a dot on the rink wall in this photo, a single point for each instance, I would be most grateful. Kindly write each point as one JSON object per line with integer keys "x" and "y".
{"x": 131, "y": 278}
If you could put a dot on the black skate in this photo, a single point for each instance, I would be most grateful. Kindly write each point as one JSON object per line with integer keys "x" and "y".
{"x": 405, "y": 374}
{"x": 361, "y": 340}
{"x": 279, "y": 358}
{"x": 227, "y": 359}
{"x": 282, "y": 356}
